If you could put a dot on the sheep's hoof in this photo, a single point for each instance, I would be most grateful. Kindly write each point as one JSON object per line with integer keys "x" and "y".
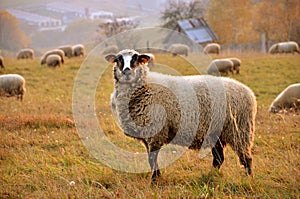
{"x": 155, "y": 176}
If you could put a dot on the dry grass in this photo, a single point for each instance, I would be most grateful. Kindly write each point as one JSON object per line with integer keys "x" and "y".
{"x": 42, "y": 156}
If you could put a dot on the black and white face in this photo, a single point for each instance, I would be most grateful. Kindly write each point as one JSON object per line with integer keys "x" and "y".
{"x": 127, "y": 68}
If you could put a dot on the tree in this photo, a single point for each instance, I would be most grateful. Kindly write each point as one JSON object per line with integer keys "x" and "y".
{"x": 12, "y": 37}
{"x": 112, "y": 27}
{"x": 231, "y": 20}
{"x": 278, "y": 19}
{"x": 180, "y": 10}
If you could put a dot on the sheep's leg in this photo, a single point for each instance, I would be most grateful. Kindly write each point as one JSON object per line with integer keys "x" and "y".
{"x": 246, "y": 161}
{"x": 218, "y": 154}
{"x": 152, "y": 155}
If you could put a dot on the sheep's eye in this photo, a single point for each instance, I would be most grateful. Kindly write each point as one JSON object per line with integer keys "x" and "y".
{"x": 133, "y": 61}
{"x": 120, "y": 62}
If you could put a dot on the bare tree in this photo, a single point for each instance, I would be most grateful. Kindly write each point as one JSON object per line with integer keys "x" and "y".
{"x": 180, "y": 10}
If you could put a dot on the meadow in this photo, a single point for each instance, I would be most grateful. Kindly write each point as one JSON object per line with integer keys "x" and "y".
{"x": 42, "y": 154}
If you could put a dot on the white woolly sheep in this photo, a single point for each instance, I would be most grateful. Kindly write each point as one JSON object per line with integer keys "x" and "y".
{"x": 137, "y": 91}
{"x": 26, "y": 53}
{"x": 110, "y": 49}
{"x": 179, "y": 49}
{"x": 2, "y": 62}
{"x": 212, "y": 48}
{"x": 53, "y": 52}
{"x": 220, "y": 65}
{"x": 288, "y": 98}
{"x": 12, "y": 85}
{"x": 53, "y": 60}
{"x": 236, "y": 64}
{"x": 68, "y": 50}
{"x": 79, "y": 50}
{"x": 284, "y": 47}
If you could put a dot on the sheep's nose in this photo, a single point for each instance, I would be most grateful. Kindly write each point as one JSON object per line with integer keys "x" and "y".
{"x": 126, "y": 71}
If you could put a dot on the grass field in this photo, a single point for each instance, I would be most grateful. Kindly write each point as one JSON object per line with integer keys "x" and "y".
{"x": 42, "y": 155}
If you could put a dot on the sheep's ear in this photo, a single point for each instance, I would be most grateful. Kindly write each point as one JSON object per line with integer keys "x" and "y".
{"x": 143, "y": 58}
{"x": 110, "y": 58}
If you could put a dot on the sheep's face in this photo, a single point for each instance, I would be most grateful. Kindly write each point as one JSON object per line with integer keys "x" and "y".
{"x": 129, "y": 67}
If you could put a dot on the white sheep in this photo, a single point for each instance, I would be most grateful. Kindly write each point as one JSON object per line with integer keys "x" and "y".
{"x": 236, "y": 64}
{"x": 288, "y": 98}
{"x": 26, "y": 53}
{"x": 212, "y": 48}
{"x": 220, "y": 65}
{"x": 79, "y": 50}
{"x": 68, "y": 50}
{"x": 59, "y": 52}
{"x": 284, "y": 47}
{"x": 12, "y": 85}
{"x": 53, "y": 60}
{"x": 159, "y": 109}
{"x": 2, "y": 62}
{"x": 179, "y": 49}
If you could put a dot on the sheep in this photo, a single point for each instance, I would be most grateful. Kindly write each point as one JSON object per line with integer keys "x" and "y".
{"x": 179, "y": 49}
{"x": 79, "y": 50}
{"x": 110, "y": 49}
{"x": 212, "y": 48}
{"x": 220, "y": 65}
{"x": 12, "y": 85}
{"x": 53, "y": 60}
{"x": 26, "y": 53}
{"x": 139, "y": 93}
{"x": 53, "y": 52}
{"x": 68, "y": 50}
{"x": 1, "y": 62}
{"x": 284, "y": 47}
{"x": 236, "y": 64}
{"x": 288, "y": 98}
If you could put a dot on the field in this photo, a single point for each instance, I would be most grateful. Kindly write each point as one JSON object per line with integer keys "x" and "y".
{"x": 42, "y": 155}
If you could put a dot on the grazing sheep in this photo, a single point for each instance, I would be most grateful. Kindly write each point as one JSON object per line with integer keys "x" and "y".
{"x": 53, "y": 60}
{"x": 1, "y": 62}
{"x": 79, "y": 50}
{"x": 284, "y": 47}
{"x": 288, "y": 98}
{"x": 220, "y": 65}
{"x": 26, "y": 53}
{"x": 179, "y": 49}
{"x": 212, "y": 48}
{"x": 53, "y": 52}
{"x": 12, "y": 85}
{"x": 140, "y": 95}
{"x": 68, "y": 50}
{"x": 110, "y": 49}
{"x": 236, "y": 64}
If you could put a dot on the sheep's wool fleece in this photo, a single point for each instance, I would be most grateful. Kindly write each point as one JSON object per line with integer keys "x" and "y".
{"x": 12, "y": 84}
{"x": 158, "y": 108}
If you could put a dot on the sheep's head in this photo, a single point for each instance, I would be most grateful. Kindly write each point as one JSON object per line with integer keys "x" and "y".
{"x": 129, "y": 67}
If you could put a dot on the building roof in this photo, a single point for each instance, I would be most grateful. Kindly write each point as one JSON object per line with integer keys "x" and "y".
{"x": 197, "y": 30}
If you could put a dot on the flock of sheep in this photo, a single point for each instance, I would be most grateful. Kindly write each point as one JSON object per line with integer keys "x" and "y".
{"x": 192, "y": 111}
{"x": 14, "y": 84}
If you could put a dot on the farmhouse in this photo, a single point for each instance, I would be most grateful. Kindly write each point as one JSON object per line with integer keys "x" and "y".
{"x": 197, "y": 29}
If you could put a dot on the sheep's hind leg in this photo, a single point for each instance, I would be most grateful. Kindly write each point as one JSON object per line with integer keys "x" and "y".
{"x": 152, "y": 155}
{"x": 246, "y": 161}
{"x": 218, "y": 154}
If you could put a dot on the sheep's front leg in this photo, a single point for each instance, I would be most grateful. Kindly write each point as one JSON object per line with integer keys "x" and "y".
{"x": 152, "y": 158}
